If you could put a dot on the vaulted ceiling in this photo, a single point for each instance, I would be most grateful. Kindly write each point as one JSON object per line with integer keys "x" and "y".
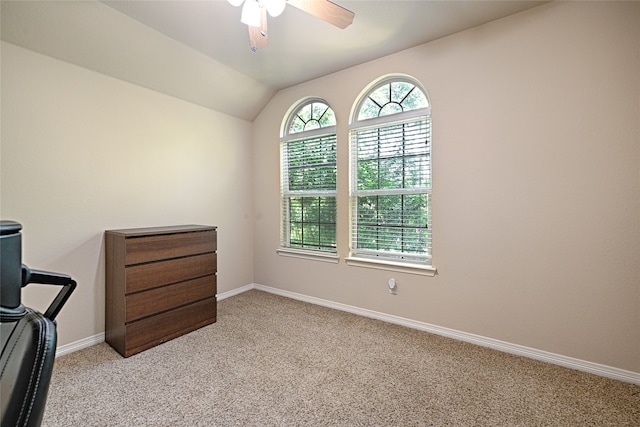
{"x": 198, "y": 50}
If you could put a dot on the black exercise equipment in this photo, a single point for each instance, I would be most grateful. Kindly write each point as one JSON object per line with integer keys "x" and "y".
{"x": 28, "y": 338}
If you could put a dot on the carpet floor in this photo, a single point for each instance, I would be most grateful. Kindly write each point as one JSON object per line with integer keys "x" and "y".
{"x": 274, "y": 361}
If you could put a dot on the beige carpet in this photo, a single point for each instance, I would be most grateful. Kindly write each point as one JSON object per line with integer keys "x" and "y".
{"x": 273, "y": 361}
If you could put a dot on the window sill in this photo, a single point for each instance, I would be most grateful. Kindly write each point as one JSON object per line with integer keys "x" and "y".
{"x": 310, "y": 255}
{"x": 423, "y": 270}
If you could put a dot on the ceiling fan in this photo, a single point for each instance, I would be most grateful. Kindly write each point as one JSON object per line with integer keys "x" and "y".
{"x": 254, "y": 14}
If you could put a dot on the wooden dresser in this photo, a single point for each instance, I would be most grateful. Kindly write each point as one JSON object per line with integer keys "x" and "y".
{"x": 160, "y": 284}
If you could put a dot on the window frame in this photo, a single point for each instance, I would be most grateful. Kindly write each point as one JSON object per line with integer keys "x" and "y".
{"x": 380, "y": 261}
{"x": 287, "y": 138}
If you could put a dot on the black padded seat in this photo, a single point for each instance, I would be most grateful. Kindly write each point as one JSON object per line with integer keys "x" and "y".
{"x": 28, "y": 354}
{"x": 27, "y": 337}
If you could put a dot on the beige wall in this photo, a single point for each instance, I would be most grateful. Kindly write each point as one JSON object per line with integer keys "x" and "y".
{"x": 83, "y": 153}
{"x": 536, "y": 181}
{"x": 536, "y": 154}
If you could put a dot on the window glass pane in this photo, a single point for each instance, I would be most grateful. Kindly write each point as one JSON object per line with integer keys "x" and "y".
{"x": 311, "y": 125}
{"x": 395, "y": 211}
{"x": 315, "y": 227}
{"x": 415, "y": 212}
{"x": 415, "y": 240}
{"x": 327, "y": 210}
{"x": 392, "y": 239}
{"x": 367, "y": 237}
{"x": 297, "y": 125}
{"x": 368, "y": 175}
{"x": 312, "y": 164}
{"x": 295, "y": 209}
{"x": 368, "y": 210}
{"x": 381, "y": 95}
{"x": 311, "y": 234}
{"x": 296, "y": 176}
{"x": 391, "y": 175}
{"x": 318, "y": 109}
{"x": 310, "y": 207}
{"x": 392, "y": 98}
{"x": 390, "y": 210}
{"x": 402, "y": 159}
{"x": 305, "y": 113}
{"x": 368, "y": 110}
{"x": 296, "y": 234}
{"x": 399, "y": 91}
{"x": 415, "y": 100}
{"x": 368, "y": 145}
{"x": 328, "y": 118}
{"x": 313, "y": 115}
{"x": 327, "y": 236}
{"x": 391, "y": 108}
{"x": 391, "y": 141}
{"x": 416, "y": 172}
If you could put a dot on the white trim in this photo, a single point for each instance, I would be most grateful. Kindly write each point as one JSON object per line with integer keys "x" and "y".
{"x": 403, "y": 267}
{"x": 531, "y": 353}
{"x": 389, "y": 120}
{"x": 234, "y": 292}
{"x": 99, "y": 338}
{"x": 80, "y": 344}
{"x": 306, "y": 134}
{"x": 392, "y": 191}
{"x": 310, "y": 255}
{"x": 308, "y": 193}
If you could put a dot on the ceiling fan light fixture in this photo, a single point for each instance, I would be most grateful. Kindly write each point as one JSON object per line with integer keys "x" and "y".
{"x": 254, "y": 15}
{"x": 251, "y": 13}
{"x": 275, "y": 7}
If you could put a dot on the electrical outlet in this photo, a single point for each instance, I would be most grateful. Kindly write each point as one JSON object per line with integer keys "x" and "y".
{"x": 393, "y": 286}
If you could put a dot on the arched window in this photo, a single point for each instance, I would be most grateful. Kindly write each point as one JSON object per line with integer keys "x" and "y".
{"x": 308, "y": 178}
{"x": 390, "y": 192}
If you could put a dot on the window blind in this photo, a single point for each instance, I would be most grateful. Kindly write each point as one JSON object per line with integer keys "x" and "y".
{"x": 309, "y": 193}
{"x": 391, "y": 190}
{"x": 310, "y": 164}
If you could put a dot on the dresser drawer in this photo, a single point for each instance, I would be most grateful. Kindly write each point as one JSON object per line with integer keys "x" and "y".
{"x": 163, "y": 327}
{"x": 164, "y": 246}
{"x": 151, "y": 302}
{"x": 147, "y": 276}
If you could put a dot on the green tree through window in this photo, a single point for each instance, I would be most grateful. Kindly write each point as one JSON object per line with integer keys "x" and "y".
{"x": 391, "y": 174}
{"x": 308, "y": 183}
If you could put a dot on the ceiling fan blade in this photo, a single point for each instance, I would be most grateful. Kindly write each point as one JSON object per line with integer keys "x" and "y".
{"x": 325, "y": 10}
{"x": 258, "y": 36}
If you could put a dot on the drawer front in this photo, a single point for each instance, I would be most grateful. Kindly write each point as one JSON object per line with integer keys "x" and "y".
{"x": 164, "y": 246}
{"x": 156, "y": 274}
{"x": 147, "y": 303}
{"x": 155, "y": 330}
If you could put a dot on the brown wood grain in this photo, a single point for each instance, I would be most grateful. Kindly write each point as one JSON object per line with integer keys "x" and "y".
{"x": 158, "y": 300}
{"x": 158, "y": 247}
{"x": 166, "y": 326}
{"x": 160, "y": 283}
{"x": 160, "y": 273}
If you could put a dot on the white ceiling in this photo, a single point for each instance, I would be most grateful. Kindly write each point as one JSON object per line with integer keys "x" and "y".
{"x": 198, "y": 50}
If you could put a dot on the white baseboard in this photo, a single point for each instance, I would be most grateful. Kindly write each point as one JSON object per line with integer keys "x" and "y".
{"x": 97, "y": 339}
{"x": 79, "y": 345}
{"x": 234, "y": 292}
{"x": 532, "y": 353}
